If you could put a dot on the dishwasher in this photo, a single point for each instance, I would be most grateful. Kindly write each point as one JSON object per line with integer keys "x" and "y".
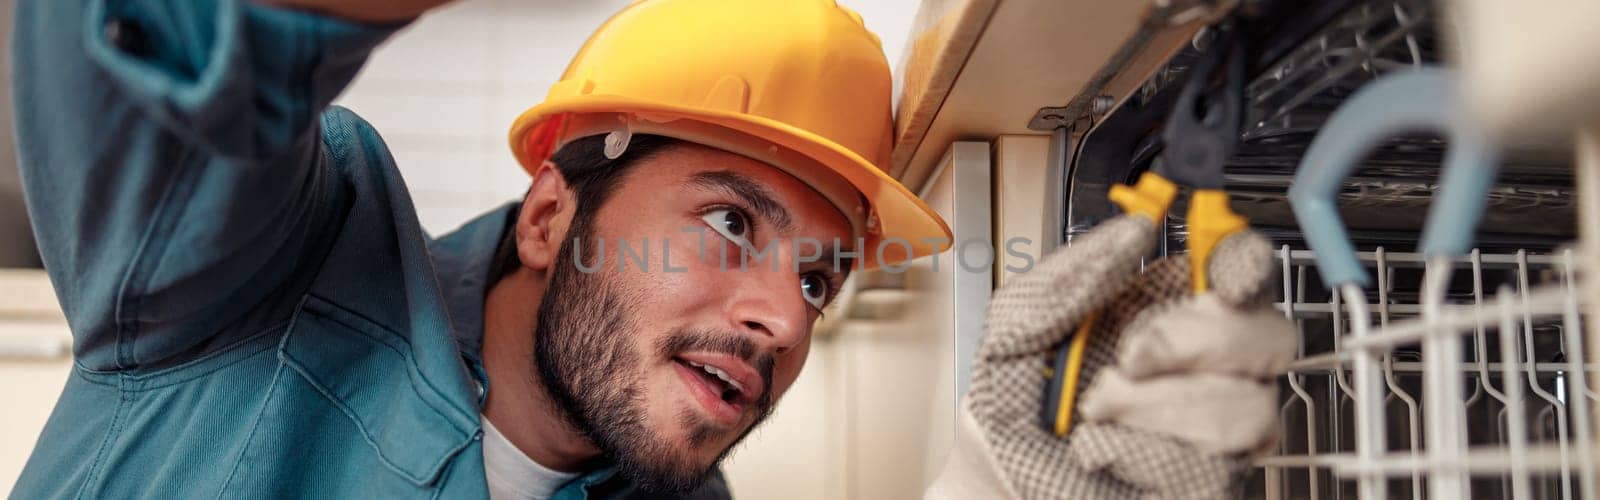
{"x": 1484, "y": 392}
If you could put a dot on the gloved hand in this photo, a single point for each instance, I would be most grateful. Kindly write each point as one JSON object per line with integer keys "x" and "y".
{"x": 1178, "y": 385}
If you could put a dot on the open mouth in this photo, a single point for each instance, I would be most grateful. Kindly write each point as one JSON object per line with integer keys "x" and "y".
{"x": 719, "y": 393}
{"x": 731, "y": 390}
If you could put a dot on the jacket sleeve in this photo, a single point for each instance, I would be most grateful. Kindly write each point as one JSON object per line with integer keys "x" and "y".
{"x": 173, "y": 164}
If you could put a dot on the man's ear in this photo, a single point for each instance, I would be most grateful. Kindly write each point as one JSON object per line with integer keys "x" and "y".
{"x": 545, "y": 217}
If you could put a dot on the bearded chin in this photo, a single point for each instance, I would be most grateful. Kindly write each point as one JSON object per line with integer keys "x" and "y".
{"x": 583, "y": 356}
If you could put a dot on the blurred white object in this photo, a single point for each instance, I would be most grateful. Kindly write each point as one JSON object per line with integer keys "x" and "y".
{"x": 31, "y": 323}
{"x": 34, "y": 340}
{"x": 1530, "y": 75}
{"x": 27, "y": 293}
{"x": 1530, "y": 65}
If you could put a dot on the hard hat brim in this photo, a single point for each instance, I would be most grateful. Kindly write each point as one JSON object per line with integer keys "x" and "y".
{"x": 904, "y": 228}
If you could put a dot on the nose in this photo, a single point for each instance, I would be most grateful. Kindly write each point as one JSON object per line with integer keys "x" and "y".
{"x": 768, "y": 303}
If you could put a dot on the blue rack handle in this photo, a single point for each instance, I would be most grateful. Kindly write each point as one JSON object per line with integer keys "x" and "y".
{"x": 1423, "y": 100}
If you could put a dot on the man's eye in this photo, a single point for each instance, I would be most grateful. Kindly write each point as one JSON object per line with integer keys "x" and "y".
{"x": 815, "y": 290}
{"x": 731, "y": 224}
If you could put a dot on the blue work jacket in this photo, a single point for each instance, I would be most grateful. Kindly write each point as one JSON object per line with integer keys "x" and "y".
{"x": 256, "y": 311}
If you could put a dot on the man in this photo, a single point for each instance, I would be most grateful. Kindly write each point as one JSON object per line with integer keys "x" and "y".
{"x": 257, "y": 312}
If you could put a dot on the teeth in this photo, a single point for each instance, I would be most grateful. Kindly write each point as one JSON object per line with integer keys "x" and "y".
{"x": 719, "y": 374}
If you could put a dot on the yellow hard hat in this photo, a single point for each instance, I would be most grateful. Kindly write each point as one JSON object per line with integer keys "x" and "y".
{"x": 798, "y": 84}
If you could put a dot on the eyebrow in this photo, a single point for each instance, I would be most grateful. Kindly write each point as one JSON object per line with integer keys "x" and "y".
{"x": 758, "y": 197}
{"x": 845, "y": 264}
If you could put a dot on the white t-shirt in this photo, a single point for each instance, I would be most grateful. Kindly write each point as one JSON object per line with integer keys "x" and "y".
{"x": 511, "y": 474}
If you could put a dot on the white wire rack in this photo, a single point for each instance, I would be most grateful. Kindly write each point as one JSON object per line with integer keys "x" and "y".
{"x": 1452, "y": 378}
{"x": 1379, "y": 407}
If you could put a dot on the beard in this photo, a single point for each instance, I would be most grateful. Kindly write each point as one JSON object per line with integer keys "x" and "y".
{"x": 587, "y": 364}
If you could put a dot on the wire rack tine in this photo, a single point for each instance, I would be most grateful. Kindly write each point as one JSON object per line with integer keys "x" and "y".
{"x": 1336, "y": 304}
{"x": 1478, "y": 353}
{"x": 1414, "y": 428}
{"x": 1477, "y": 330}
{"x": 1558, "y": 408}
{"x": 1305, "y": 398}
{"x": 1442, "y": 387}
{"x": 1370, "y": 431}
{"x": 1515, "y": 420}
{"x": 1573, "y": 337}
{"x": 1476, "y": 259}
{"x": 1276, "y": 477}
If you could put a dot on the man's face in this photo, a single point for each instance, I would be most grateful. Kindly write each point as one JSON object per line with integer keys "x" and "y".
{"x": 666, "y": 367}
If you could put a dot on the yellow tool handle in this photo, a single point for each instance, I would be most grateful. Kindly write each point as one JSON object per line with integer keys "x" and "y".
{"x": 1149, "y": 198}
{"x": 1069, "y": 385}
{"x": 1210, "y": 221}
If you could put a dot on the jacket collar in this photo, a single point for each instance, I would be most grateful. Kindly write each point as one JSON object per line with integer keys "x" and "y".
{"x": 467, "y": 261}
{"x": 464, "y": 261}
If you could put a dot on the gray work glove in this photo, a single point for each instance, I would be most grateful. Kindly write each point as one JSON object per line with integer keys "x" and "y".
{"x": 1179, "y": 386}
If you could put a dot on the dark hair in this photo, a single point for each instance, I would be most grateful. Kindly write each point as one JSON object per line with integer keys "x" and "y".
{"x": 592, "y": 177}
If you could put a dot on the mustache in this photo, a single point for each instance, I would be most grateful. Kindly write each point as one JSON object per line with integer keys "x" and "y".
{"x": 723, "y": 342}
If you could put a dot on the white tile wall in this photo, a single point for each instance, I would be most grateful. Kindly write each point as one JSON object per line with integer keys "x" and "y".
{"x": 445, "y": 90}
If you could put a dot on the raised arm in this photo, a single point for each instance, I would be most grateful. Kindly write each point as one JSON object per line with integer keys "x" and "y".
{"x": 173, "y": 164}
{"x": 367, "y": 11}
